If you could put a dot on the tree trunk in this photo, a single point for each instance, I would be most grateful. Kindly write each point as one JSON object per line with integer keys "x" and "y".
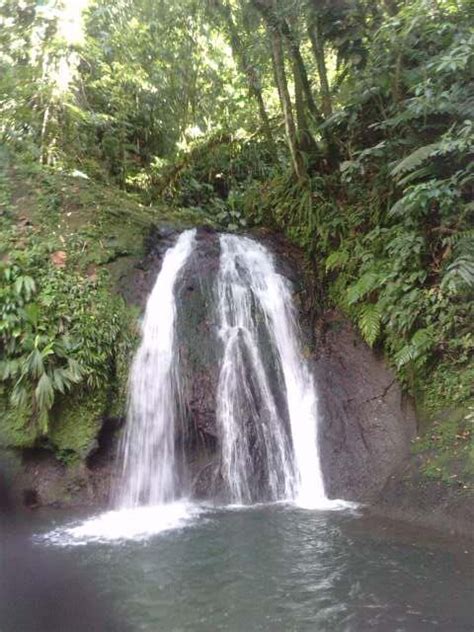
{"x": 44, "y": 148}
{"x": 315, "y": 35}
{"x": 238, "y": 50}
{"x": 300, "y": 70}
{"x": 279, "y": 64}
{"x": 276, "y": 22}
{"x": 305, "y": 139}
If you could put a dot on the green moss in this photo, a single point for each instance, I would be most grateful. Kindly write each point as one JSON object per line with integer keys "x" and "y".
{"x": 446, "y": 446}
{"x": 449, "y": 385}
{"x": 17, "y": 430}
{"x": 119, "y": 389}
{"x": 76, "y": 423}
{"x": 445, "y": 410}
{"x": 97, "y": 227}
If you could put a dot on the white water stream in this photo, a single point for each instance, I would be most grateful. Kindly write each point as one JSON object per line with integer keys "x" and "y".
{"x": 255, "y": 301}
{"x": 149, "y": 474}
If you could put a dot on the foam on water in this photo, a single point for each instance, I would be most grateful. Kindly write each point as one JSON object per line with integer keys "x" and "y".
{"x": 137, "y": 523}
{"x": 143, "y": 523}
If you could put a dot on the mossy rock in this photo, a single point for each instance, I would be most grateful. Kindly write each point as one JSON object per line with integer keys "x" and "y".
{"x": 17, "y": 430}
{"x": 76, "y": 424}
{"x": 446, "y": 446}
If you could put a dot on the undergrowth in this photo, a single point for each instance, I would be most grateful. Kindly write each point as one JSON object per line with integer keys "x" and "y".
{"x": 66, "y": 334}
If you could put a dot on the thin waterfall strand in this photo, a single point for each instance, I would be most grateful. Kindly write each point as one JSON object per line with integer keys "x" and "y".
{"x": 149, "y": 474}
{"x": 248, "y": 288}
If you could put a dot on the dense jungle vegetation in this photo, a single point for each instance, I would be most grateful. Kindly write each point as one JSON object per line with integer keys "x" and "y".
{"x": 346, "y": 124}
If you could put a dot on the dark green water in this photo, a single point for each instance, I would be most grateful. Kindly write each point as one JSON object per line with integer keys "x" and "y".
{"x": 277, "y": 568}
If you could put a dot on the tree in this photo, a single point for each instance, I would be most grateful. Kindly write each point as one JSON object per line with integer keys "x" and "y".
{"x": 275, "y": 35}
{"x": 316, "y": 37}
{"x": 245, "y": 64}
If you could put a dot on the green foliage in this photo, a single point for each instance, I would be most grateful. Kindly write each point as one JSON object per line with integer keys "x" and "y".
{"x": 128, "y": 84}
{"x": 397, "y": 247}
{"x": 415, "y": 159}
{"x": 216, "y": 179}
{"x": 39, "y": 361}
{"x": 446, "y": 446}
{"x": 65, "y": 336}
{"x": 369, "y": 322}
{"x": 417, "y": 349}
{"x": 58, "y": 329}
{"x": 337, "y": 259}
{"x": 15, "y": 429}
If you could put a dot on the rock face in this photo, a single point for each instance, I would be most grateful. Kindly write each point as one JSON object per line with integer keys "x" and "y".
{"x": 197, "y": 332}
{"x": 365, "y": 423}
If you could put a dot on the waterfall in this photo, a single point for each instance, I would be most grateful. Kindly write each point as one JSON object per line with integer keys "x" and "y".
{"x": 266, "y": 408}
{"x": 257, "y": 441}
{"x": 150, "y": 468}
{"x": 265, "y": 402}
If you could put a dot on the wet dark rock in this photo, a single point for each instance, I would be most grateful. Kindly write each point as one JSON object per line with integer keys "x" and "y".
{"x": 136, "y": 283}
{"x": 199, "y": 344}
{"x": 366, "y": 422}
{"x": 31, "y": 498}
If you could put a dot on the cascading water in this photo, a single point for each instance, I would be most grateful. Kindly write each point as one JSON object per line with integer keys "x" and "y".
{"x": 255, "y": 303}
{"x": 150, "y": 468}
{"x": 266, "y": 406}
{"x": 265, "y": 402}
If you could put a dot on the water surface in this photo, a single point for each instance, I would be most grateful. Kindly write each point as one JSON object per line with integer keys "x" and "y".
{"x": 275, "y": 567}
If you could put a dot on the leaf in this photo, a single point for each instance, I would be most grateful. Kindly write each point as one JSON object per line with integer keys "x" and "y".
{"x": 9, "y": 368}
{"x": 44, "y": 393}
{"x": 35, "y": 365}
{"x": 25, "y": 285}
{"x": 369, "y": 322}
{"x": 19, "y": 395}
{"x": 59, "y": 383}
{"x": 397, "y": 208}
{"x": 422, "y": 172}
{"x": 421, "y": 342}
{"x": 413, "y": 160}
{"x": 32, "y": 313}
{"x": 460, "y": 268}
{"x": 74, "y": 371}
{"x": 337, "y": 259}
{"x": 367, "y": 282}
{"x": 29, "y": 286}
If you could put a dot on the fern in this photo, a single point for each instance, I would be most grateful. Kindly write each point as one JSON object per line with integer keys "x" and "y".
{"x": 413, "y": 160}
{"x": 417, "y": 349}
{"x": 337, "y": 259}
{"x": 44, "y": 393}
{"x": 369, "y": 322}
{"x": 461, "y": 269}
{"x": 397, "y": 208}
{"x": 422, "y": 172}
{"x": 367, "y": 282}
